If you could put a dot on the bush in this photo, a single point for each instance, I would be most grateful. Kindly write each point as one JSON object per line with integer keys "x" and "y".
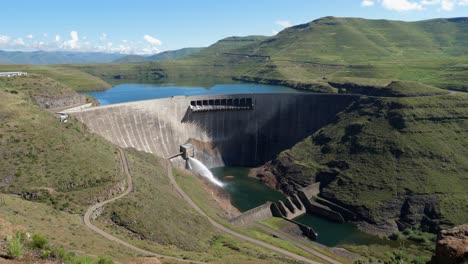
{"x": 420, "y": 260}
{"x": 45, "y": 253}
{"x": 80, "y": 260}
{"x": 15, "y": 248}
{"x": 105, "y": 260}
{"x": 59, "y": 253}
{"x": 395, "y": 236}
{"x": 39, "y": 241}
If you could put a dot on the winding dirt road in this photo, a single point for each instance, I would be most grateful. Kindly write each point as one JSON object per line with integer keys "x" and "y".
{"x": 92, "y": 209}
{"x": 124, "y": 163}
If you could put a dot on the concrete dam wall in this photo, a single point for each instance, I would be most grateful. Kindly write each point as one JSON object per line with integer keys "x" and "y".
{"x": 237, "y": 130}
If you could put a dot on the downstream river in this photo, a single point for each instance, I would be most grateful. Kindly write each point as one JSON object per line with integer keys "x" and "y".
{"x": 247, "y": 193}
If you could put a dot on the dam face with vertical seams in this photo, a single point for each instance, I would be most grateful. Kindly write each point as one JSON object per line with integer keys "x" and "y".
{"x": 234, "y": 130}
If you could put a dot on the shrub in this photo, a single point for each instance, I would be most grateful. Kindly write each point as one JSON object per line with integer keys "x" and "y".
{"x": 80, "y": 260}
{"x": 395, "y": 236}
{"x": 39, "y": 241}
{"x": 105, "y": 260}
{"x": 45, "y": 253}
{"x": 15, "y": 248}
{"x": 59, "y": 253}
{"x": 420, "y": 260}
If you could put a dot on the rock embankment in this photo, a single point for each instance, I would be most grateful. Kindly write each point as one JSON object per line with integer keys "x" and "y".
{"x": 452, "y": 246}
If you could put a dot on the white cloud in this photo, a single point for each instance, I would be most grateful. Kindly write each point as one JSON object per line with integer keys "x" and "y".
{"x": 4, "y": 39}
{"x": 367, "y": 3}
{"x": 7, "y": 42}
{"x": 45, "y": 35}
{"x": 283, "y": 23}
{"x": 73, "y": 42}
{"x": 401, "y": 5}
{"x": 148, "y": 46}
{"x": 103, "y": 37}
{"x": 430, "y": 2}
{"x": 152, "y": 40}
{"x": 447, "y": 5}
{"x": 19, "y": 41}
{"x": 274, "y": 32}
{"x": 30, "y": 36}
{"x": 416, "y": 5}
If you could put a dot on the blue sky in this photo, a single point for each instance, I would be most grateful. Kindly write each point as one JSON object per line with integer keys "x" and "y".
{"x": 148, "y": 27}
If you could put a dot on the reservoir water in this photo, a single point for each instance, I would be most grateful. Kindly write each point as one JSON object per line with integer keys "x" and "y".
{"x": 134, "y": 92}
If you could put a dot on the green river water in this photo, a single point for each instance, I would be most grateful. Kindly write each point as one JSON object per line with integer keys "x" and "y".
{"x": 247, "y": 193}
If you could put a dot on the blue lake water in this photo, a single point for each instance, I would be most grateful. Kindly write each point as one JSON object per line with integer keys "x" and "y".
{"x": 134, "y": 92}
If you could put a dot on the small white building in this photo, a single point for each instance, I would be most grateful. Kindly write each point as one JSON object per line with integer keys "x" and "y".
{"x": 11, "y": 74}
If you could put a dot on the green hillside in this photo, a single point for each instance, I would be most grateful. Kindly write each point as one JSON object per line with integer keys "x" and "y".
{"x": 48, "y": 161}
{"x": 357, "y": 41}
{"x": 389, "y": 160}
{"x": 76, "y": 79}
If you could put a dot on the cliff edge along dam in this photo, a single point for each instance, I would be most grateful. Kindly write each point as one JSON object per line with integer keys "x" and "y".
{"x": 234, "y": 130}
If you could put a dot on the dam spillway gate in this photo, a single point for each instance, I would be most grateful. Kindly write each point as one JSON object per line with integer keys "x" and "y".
{"x": 222, "y": 104}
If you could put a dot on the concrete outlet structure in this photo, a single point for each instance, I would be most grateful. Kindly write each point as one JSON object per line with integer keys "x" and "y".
{"x": 187, "y": 151}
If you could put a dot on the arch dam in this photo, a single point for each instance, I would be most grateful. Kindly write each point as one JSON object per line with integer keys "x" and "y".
{"x": 234, "y": 130}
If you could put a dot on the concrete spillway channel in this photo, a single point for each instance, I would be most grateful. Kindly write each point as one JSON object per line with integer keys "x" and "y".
{"x": 234, "y": 130}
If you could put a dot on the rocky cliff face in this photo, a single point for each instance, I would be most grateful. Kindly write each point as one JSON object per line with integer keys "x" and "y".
{"x": 60, "y": 101}
{"x": 394, "y": 162}
{"x": 452, "y": 246}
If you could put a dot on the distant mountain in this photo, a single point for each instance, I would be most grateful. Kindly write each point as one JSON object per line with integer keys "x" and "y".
{"x": 163, "y": 56}
{"x": 228, "y": 45}
{"x": 56, "y": 57}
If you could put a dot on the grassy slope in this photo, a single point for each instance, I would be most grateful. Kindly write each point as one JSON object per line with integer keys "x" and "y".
{"x": 69, "y": 232}
{"x": 33, "y": 85}
{"x": 432, "y": 51}
{"x": 357, "y": 41}
{"x": 385, "y": 153}
{"x": 65, "y": 74}
{"x": 50, "y": 161}
{"x": 167, "y": 220}
{"x": 155, "y": 213}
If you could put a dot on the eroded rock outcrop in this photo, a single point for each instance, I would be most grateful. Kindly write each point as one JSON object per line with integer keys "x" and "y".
{"x": 452, "y": 246}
